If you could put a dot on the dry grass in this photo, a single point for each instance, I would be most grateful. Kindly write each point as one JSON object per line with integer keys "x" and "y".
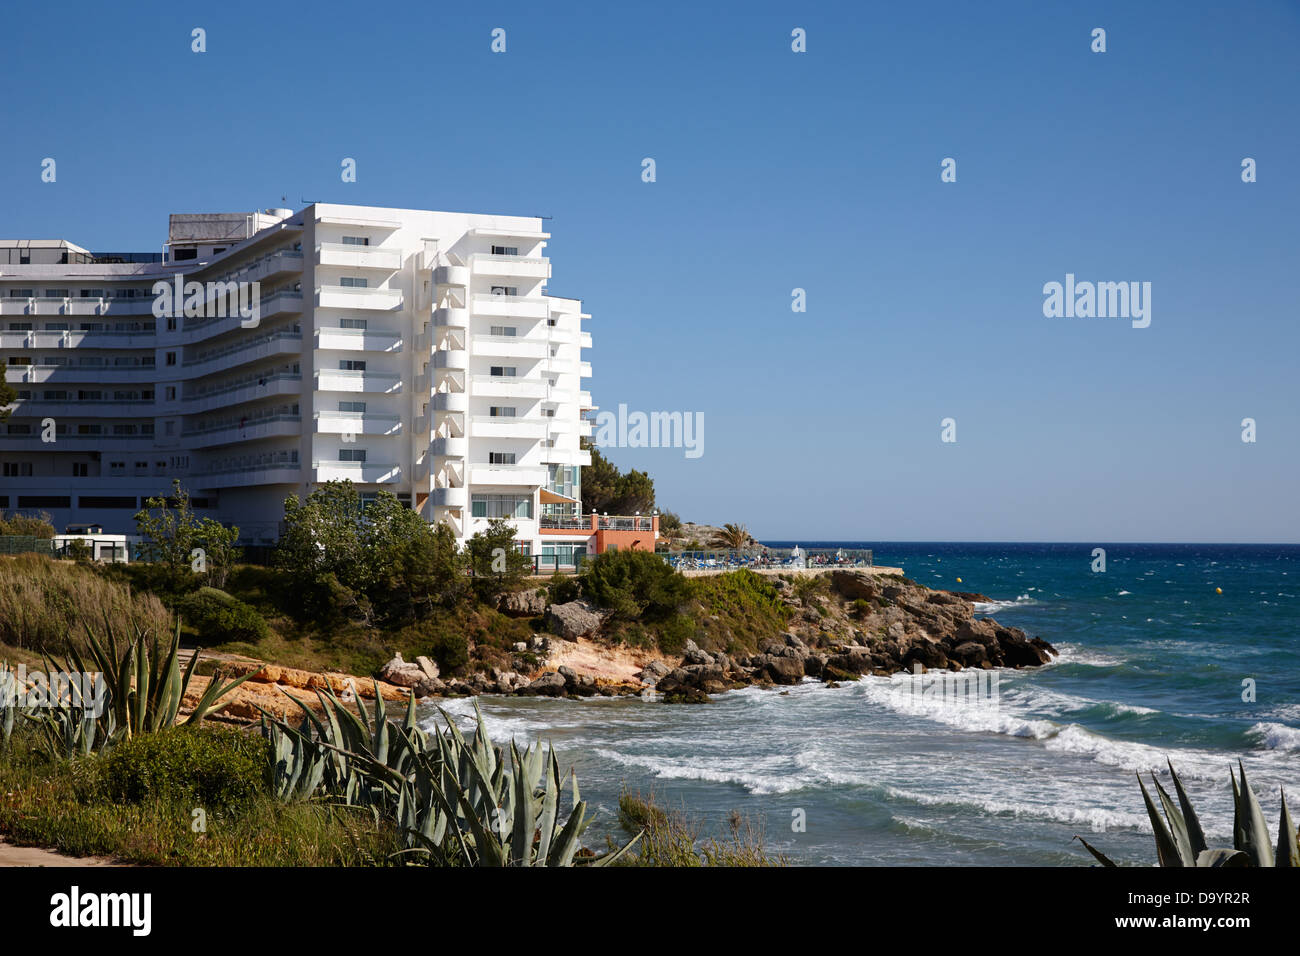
{"x": 44, "y": 602}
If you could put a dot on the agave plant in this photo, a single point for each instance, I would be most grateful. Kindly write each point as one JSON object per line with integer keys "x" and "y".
{"x": 10, "y": 708}
{"x": 456, "y": 801}
{"x": 1180, "y": 841}
{"x": 146, "y": 685}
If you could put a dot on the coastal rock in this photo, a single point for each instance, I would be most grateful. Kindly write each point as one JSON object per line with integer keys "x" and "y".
{"x": 522, "y": 603}
{"x": 853, "y": 585}
{"x": 692, "y": 654}
{"x": 430, "y": 687}
{"x": 427, "y": 666}
{"x": 573, "y": 620}
{"x": 784, "y": 670}
{"x": 403, "y": 673}
{"x": 550, "y": 684}
{"x": 651, "y": 673}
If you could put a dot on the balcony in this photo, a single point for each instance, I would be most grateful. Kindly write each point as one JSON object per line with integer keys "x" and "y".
{"x": 277, "y": 303}
{"x": 83, "y": 408}
{"x": 448, "y": 497}
{"x": 514, "y": 267}
{"x": 511, "y": 306}
{"x": 357, "y": 423}
{"x": 358, "y": 257}
{"x": 284, "y": 383}
{"x": 503, "y": 426}
{"x": 514, "y": 475}
{"x": 510, "y": 346}
{"x": 451, "y": 318}
{"x": 359, "y": 340}
{"x": 505, "y": 386}
{"x": 451, "y": 360}
{"x": 349, "y": 380}
{"x": 273, "y": 471}
{"x": 594, "y": 522}
{"x": 448, "y": 275}
{"x": 220, "y": 360}
{"x": 76, "y": 442}
{"x": 351, "y": 297}
{"x": 86, "y": 373}
{"x": 359, "y": 472}
{"x": 451, "y": 402}
{"x": 232, "y": 432}
{"x": 449, "y": 447}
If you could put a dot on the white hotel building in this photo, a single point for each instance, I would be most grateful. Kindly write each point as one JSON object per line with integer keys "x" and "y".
{"x": 410, "y": 351}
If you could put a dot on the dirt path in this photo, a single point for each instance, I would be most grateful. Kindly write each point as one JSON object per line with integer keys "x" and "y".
{"x": 11, "y": 855}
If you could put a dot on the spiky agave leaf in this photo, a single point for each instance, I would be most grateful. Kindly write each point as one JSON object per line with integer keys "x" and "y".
{"x": 1195, "y": 835}
{"x": 1102, "y": 858}
{"x": 1254, "y": 838}
{"x": 1177, "y": 826}
{"x": 1288, "y": 854}
{"x": 1166, "y": 850}
{"x": 1222, "y": 856}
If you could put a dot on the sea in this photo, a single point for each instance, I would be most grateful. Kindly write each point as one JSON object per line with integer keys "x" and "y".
{"x": 1174, "y": 653}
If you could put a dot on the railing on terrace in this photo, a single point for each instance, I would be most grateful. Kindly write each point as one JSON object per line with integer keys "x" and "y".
{"x": 22, "y": 544}
{"x": 242, "y": 347}
{"x": 597, "y": 522}
{"x": 207, "y": 428}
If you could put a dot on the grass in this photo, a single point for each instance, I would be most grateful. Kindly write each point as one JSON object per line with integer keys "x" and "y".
{"x": 672, "y": 838}
{"x": 89, "y": 806}
{"x": 42, "y": 601}
{"x": 737, "y": 611}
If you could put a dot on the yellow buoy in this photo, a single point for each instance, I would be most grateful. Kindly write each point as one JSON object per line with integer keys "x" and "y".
{"x": 959, "y": 580}
{"x": 1218, "y": 590}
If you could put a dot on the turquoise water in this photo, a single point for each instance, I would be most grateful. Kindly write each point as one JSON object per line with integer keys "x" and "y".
{"x": 1152, "y": 666}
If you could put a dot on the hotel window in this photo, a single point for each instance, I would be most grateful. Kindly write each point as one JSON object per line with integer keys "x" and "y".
{"x": 500, "y": 506}
{"x": 56, "y": 293}
{"x": 548, "y": 412}
{"x": 171, "y": 324}
{"x": 20, "y": 327}
{"x": 352, "y": 407}
{"x": 89, "y": 429}
{"x": 505, "y": 250}
{"x": 352, "y": 282}
{"x": 180, "y": 461}
{"x": 356, "y": 240}
{"x": 171, "y": 393}
{"x": 218, "y": 250}
{"x": 505, "y": 290}
{"x": 501, "y": 458}
{"x": 90, "y": 396}
{"x": 18, "y": 469}
{"x": 352, "y": 454}
{"x": 503, "y": 371}
{"x": 501, "y": 411}
{"x": 181, "y": 255}
{"x": 20, "y": 430}
{"x": 170, "y": 359}
{"x": 55, "y": 395}
{"x": 80, "y": 469}
{"x": 19, "y": 360}
{"x": 550, "y": 322}
{"x": 352, "y": 365}
{"x": 116, "y": 467}
{"x": 352, "y": 323}
{"x": 509, "y": 330}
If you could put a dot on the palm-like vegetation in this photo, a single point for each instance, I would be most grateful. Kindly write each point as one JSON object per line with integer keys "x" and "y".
{"x": 732, "y": 536}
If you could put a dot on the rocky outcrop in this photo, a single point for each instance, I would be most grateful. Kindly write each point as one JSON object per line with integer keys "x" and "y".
{"x": 404, "y": 673}
{"x": 574, "y": 620}
{"x": 523, "y": 603}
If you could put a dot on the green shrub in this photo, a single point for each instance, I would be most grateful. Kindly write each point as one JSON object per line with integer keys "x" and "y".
{"x": 446, "y": 641}
{"x": 206, "y": 767}
{"x": 635, "y": 584}
{"x": 740, "y": 610}
{"x": 861, "y": 608}
{"x": 674, "y": 634}
{"x": 221, "y": 619}
{"x": 563, "y": 588}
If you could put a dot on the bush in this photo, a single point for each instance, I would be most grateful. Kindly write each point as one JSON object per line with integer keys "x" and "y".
{"x": 221, "y": 619}
{"x": 563, "y": 588}
{"x": 206, "y": 767}
{"x": 635, "y": 584}
{"x": 26, "y": 526}
{"x": 446, "y": 643}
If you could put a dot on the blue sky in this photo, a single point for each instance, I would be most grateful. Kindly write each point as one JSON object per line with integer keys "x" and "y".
{"x": 778, "y": 170}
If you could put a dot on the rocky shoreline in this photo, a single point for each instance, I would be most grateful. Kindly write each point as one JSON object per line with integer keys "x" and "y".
{"x": 866, "y": 626}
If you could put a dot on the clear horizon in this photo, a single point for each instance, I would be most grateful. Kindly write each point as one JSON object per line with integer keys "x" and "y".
{"x": 777, "y": 171}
